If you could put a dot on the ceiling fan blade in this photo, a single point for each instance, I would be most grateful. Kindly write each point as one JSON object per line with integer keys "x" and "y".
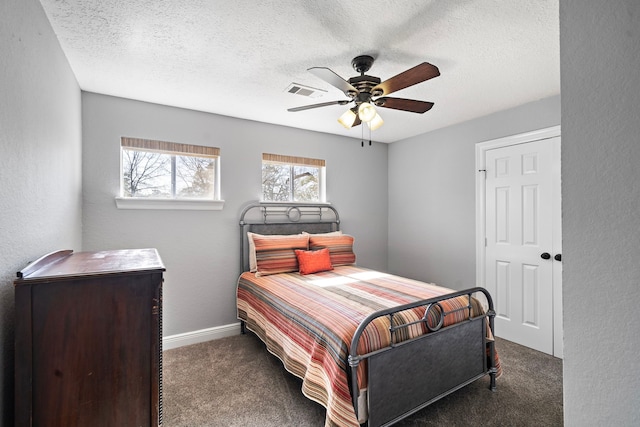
{"x": 333, "y": 79}
{"x": 324, "y": 104}
{"x": 412, "y": 76}
{"x": 411, "y": 105}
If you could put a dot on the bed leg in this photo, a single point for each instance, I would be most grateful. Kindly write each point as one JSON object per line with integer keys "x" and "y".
{"x": 493, "y": 370}
{"x": 243, "y": 328}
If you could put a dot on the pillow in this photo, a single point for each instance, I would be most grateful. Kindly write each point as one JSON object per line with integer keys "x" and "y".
{"x": 253, "y": 266}
{"x": 340, "y": 247}
{"x": 331, "y": 233}
{"x": 314, "y": 261}
{"x": 276, "y": 254}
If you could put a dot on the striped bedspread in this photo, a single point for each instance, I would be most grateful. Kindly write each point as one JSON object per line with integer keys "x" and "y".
{"x": 308, "y": 322}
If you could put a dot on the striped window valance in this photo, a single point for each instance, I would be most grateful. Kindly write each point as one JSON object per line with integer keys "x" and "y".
{"x": 169, "y": 147}
{"x": 292, "y": 160}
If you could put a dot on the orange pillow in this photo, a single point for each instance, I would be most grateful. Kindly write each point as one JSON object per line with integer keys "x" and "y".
{"x": 275, "y": 253}
{"x": 314, "y": 261}
{"x": 340, "y": 247}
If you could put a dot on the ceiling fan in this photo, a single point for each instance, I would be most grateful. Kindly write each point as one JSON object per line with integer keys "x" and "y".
{"x": 368, "y": 91}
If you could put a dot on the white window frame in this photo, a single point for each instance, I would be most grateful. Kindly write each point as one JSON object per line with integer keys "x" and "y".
{"x": 171, "y": 148}
{"x": 298, "y": 161}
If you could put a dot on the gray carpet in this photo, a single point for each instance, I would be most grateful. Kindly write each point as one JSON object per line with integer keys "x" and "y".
{"x": 235, "y": 381}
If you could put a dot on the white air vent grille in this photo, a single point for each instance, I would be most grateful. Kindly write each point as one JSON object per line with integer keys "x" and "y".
{"x": 303, "y": 90}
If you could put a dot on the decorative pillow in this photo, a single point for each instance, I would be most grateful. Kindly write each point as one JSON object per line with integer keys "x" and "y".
{"x": 340, "y": 247}
{"x": 276, "y": 254}
{"x": 314, "y": 261}
{"x": 253, "y": 265}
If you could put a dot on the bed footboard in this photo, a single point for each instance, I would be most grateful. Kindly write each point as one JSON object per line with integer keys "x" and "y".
{"x": 409, "y": 375}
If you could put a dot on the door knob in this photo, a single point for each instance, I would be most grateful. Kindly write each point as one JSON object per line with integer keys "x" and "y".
{"x": 558, "y": 257}
{"x": 545, "y": 255}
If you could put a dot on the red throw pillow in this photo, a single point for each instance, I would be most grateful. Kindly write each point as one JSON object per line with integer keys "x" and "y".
{"x": 314, "y": 261}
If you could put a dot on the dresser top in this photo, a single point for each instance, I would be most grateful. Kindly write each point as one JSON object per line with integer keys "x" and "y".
{"x": 66, "y": 263}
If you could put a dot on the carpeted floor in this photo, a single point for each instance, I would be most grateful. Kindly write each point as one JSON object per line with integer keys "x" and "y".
{"x": 235, "y": 381}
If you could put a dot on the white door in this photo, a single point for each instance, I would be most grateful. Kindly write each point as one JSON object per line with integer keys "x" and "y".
{"x": 522, "y": 240}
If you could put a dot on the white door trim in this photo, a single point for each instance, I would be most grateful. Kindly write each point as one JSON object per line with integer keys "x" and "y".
{"x": 481, "y": 149}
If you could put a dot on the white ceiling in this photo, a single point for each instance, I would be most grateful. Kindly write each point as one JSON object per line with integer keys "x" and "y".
{"x": 237, "y": 58}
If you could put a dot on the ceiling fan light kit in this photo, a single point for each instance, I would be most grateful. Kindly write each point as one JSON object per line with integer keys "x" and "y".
{"x": 348, "y": 118}
{"x": 366, "y": 112}
{"x": 369, "y": 91}
{"x": 376, "y": 122}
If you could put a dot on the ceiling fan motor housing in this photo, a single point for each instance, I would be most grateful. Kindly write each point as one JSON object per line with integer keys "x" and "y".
{"x": 364, "y": 84}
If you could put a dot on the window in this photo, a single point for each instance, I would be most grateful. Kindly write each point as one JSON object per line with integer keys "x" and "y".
{"x": 292, "y": 179}
{"x": 168, "y": 171}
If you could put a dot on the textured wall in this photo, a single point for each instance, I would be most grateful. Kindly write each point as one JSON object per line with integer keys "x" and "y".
{"x": 600, "y": 41}
{"x": 201, "y": 248}
{"x": 40, "y": 148}
{"x": 432, "y": 193}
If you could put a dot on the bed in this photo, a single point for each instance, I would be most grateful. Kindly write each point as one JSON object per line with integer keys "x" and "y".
{"x": 371, "y": 347}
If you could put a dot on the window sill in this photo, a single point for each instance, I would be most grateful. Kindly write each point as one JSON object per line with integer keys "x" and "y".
{"x": 169, "y": 204}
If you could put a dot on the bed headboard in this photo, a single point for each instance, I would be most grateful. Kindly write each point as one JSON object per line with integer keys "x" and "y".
{"x": 283, "y": 218}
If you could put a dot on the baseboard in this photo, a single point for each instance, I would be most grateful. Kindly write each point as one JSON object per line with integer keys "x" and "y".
{"x": 194, "y": 337}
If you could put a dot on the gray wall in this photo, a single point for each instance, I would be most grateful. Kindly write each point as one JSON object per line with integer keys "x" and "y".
{"x": 40, "y": 148}
{"x": 600, "y": 73}
{"x": 201, "y": 248}
{"x": 432, "y": 193}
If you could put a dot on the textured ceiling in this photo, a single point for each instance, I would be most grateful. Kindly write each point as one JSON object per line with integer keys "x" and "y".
{"x": 237, "y": 58}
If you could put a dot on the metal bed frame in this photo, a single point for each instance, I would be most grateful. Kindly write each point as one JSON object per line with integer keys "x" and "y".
{"x": 433, "y": 365}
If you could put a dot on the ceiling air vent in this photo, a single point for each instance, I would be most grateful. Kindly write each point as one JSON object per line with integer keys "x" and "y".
{"x": 308, "y": 91}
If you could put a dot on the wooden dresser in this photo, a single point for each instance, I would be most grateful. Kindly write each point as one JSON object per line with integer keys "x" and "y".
{"x": 89, "y": 339}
